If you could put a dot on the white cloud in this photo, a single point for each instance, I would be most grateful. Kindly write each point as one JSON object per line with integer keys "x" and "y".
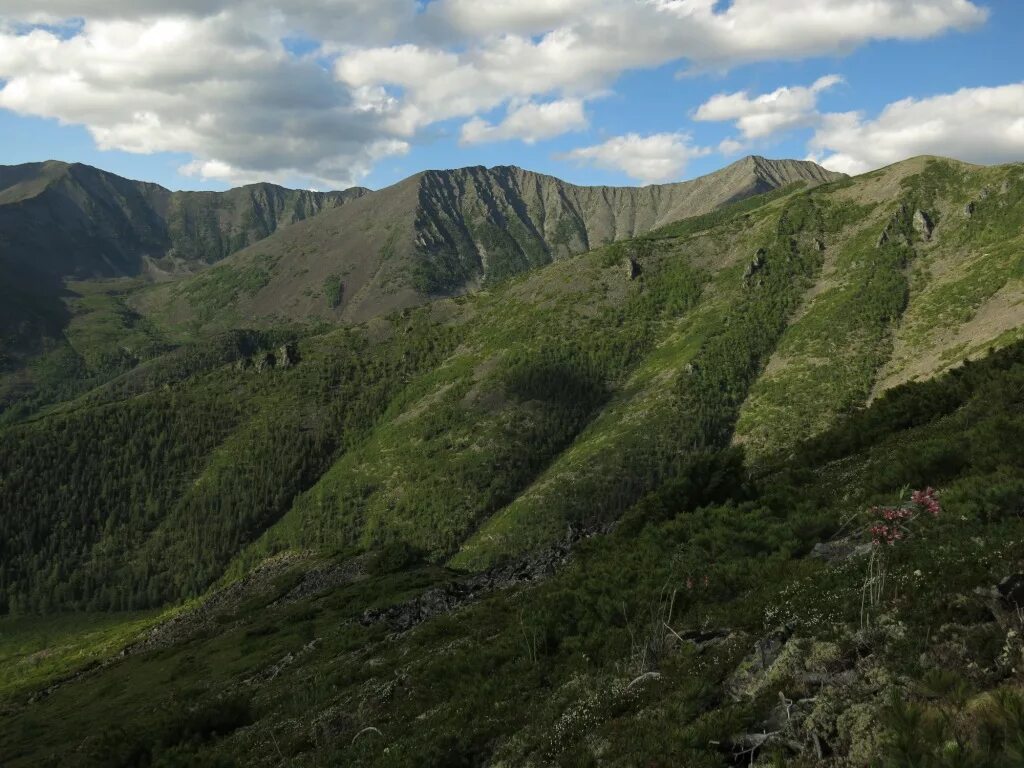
{"x": 213, "y": 79}
{"x": 761, "y": 116}
{"x": 649, "y": 159}
{"x": 529, "y": 122}
{"x": 981, "y": 125}
{"x": 731, "y": 147}
{"x": 230, "y": 99}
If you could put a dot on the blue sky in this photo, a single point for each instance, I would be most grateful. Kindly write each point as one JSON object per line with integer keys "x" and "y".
{"x": 353, "y": 122}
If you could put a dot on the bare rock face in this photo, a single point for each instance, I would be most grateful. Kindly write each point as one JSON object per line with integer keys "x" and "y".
{"x": 755, "y": 265}
{"x": 449, "y": 232}
{"x": 923, "y": 224}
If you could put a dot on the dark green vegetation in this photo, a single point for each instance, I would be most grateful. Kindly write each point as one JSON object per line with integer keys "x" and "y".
{"x": 715, "y": 399}
{"x": 61, "y": 221}
{"x": 695, "y": 573}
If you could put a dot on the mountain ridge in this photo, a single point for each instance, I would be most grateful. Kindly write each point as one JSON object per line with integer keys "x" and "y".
{"x": 446, "y": 232}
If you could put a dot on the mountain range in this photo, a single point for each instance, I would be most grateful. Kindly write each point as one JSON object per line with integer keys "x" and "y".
{"x": 488, "y": 442}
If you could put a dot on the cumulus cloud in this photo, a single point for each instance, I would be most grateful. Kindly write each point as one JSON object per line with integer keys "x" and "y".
{"x": 760, "y": 116}
{"x": 981, "y": 125}
{"x": 531, "y": 47}
{"x": 220, "y": 80}
{"x": 649, "y": 159}
{"x": 529, "y": 122}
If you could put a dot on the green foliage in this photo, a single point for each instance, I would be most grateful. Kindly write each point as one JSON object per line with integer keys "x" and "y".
{"x": 394, "y": 557}
{"x": 471, "y": 431}
{"x": 333, "y": 290}
{"x": 542, "y": 674}
{"x": 732, "y": 213}
{"x": 183, "y": 477}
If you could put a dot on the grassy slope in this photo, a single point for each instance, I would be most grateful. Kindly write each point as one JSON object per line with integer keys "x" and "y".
{"x": 884, "y": 315}
{"x": 542, "y": 675}
{"x": 482, "y": 427}
{"x": 427, "y": 474}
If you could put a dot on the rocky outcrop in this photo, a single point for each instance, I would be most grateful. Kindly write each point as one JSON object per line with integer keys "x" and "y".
{"x": 453, "y": 595}
{"x": 1011, "y": 590}
{"x": 486, "y": 223}
{"x": 287, "y": 355}
{"x": 923, "y": 224}
{"x": 632, "y": 268}
{"x": 756, "y": 265}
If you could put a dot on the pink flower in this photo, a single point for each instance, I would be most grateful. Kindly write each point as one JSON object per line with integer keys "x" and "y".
{"x": 927, "y": 501}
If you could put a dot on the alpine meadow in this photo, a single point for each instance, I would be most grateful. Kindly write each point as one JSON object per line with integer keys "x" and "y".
{"x": 480, "y": 467}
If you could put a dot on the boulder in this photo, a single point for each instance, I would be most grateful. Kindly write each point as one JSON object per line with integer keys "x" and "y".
{"x": 840, "y": 550}
{"x": 1011, "y": 591}
{"x": 632, "y": 268}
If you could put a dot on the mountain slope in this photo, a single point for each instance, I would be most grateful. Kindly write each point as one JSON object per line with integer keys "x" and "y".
{"x": 482, "y": 427}
{"x": 443, "y": 233}
{"x": 723, "y": 623}
{"x": 547, "y": 522}
{"x": 73, "y": 220}
{"x": 62, "y": 221}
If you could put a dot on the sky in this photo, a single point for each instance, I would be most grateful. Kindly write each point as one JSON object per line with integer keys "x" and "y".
{"x": 327, "y": 94}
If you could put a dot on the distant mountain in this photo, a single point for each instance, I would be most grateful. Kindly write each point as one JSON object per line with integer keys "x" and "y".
{"x": 442, "y": 233}
{"x": 62, "y": 221}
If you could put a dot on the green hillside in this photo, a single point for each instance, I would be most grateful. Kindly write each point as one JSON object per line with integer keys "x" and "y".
{"x": 700, "y": 632}
{"x": 545, "y": 521}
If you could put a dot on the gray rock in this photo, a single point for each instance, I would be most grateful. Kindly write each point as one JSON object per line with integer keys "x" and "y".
{"x": 838, "y": 551}
{"x": 969, "y": 209}
{"x": 1011, "y": 590}
{"x": 453, "y": 595}
{"x": 633, "y": 270}
{"x": 756, "y": 264}
{"x": 287, "y": 355}
{"x": 923, "y": 224}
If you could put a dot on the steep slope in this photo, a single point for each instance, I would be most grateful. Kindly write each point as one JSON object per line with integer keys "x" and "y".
{"x": 724, "y": 623}
{"x": 656, "y": 466}
{"x": 72, "y": 220}
{"x": 481, "y": 427}
{"x": 443, "y": 233}
{"x": 61, "y": 221}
